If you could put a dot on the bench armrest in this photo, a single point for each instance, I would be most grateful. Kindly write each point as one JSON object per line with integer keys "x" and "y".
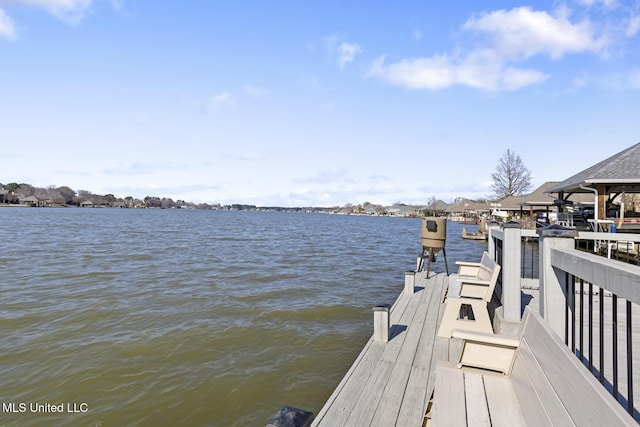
{"x": 473, "y": 281}
{"x": 483, "y": 337}
{"x": 472, "y": 264}
{"x": 487, "y": 351}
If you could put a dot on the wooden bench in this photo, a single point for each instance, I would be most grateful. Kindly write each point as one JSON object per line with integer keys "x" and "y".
{"x": 530, "y": 380}
{"x": 472, "y": 288}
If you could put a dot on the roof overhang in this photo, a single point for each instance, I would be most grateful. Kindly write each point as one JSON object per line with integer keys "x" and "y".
{"x": 613, "y": 186}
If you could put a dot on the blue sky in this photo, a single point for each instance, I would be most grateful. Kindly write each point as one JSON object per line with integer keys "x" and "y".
{"x": 299, "y": 103}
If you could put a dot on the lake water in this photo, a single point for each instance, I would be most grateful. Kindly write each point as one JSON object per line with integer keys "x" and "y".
{"x": 192, "y": 318}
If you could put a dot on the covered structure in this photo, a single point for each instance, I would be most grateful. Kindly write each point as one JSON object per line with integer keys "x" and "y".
{"x": 467, "y": 210}
{"x": 538, "y": 202}
{"x": 605, "y": 181}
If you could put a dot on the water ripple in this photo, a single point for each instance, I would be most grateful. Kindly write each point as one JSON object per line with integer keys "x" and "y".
{"x": 156, "y": 317}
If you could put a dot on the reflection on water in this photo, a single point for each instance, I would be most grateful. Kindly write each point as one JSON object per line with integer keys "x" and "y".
{"x": 157, "y": 317}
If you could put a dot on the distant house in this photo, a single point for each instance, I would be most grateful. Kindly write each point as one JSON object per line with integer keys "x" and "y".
{"x": 87, "y": 204}
{"x": 372, "y": 209}
{"x": 399, "y": 209}
{"x": 465, "y": 209}
{"x": 31, "y": 201}
{"x": 4, "y": 196}
{"x": 435, "y": 208}
{"x": 347, "y": 210}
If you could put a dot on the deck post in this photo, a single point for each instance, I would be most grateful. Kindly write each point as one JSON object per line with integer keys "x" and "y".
{"x": 409, "y": 282}
{"x": 511, "y": 272}
{"x": 381, "y": 323}
{"x": 553, "y": 286}
{"x": 491, "y": 244}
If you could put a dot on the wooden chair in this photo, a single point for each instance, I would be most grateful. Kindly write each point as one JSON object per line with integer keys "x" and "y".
{"x": 470, "y": 292}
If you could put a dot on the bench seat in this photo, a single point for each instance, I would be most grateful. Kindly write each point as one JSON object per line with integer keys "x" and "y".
{"x": 472, "y": 288}
{"x": 543, "y": 384}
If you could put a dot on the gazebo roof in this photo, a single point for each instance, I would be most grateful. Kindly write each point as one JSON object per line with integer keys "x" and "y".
{"x": 620, "y": 172}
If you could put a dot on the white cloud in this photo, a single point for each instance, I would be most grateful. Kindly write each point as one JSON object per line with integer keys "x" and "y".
{"x": 7, "y": 27}
{"x": 347, "y": 53}
{"x": 344, "y": 52}
{"x": 605, "y": 3}
{"x": 514, "y": 78}
{"x": 72, "y": 11}
{"x": 633, "y": 26}
{"x": 578, "y": 83}
{"x": 523, "y": 32}
{"x": 219, "y": 100}
{"x": 417, "y": 34}
{"x": 505, "y": 38}
{"x": 440, "y": 72}
{"x": 417, "y": 73}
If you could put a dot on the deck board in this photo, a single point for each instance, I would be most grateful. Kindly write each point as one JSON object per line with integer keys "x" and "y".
{"x": 477, "y": 409}
{"x": 451, "y": 403}
{"x": 389, "y": 381}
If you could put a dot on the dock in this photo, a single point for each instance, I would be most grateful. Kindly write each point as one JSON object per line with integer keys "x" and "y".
{"x": 389, "y": 383}
{"x": 392, "y": 383}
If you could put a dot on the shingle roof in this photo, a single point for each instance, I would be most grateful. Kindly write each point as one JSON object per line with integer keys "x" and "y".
{"x": 619, "y": 169}
{"x": 468, "y": 205}
{"x": 438, "y": 205}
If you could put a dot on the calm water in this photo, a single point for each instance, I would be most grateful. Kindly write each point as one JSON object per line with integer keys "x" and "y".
{"x": 195, "y": 318}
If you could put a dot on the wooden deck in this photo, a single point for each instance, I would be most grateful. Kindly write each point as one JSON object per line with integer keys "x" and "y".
{"x": 390, "y": 383}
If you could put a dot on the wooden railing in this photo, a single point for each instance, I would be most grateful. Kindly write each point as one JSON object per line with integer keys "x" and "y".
{"x": 601, "y": 303}
{"x": 588, "y": 299}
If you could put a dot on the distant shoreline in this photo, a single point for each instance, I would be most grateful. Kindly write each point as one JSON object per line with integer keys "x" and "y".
{"x": 320, "y": 210}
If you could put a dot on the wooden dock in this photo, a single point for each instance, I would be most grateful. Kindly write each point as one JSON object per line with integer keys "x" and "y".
{"x": 391, "y": 383}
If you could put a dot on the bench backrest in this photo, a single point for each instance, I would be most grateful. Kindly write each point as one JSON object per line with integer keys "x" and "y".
{"x": 486, "y": 261}
{"x": 553, "y": 387}
{"x": 488, "y": 270}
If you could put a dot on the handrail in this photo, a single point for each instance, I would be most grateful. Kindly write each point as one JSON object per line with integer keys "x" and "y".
{"x": 617, "y": 277}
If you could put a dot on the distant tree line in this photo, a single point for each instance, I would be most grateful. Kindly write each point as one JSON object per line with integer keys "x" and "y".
{"x": 15, "y": 193}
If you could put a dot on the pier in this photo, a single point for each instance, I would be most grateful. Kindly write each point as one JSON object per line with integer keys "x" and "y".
{"x": 543, "y": 331}
{"x": 388, "y": 383}
{"x": 587, "y": 305}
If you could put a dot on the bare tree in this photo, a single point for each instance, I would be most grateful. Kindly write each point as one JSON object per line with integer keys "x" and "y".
{"x": 511, "y": 178}
{"x": 68, "y": 194}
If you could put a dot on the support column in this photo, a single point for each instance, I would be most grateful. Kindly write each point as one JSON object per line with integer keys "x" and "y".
{"x": 511, "y": 271}
{"x": 409, "y": 282}
{"x": 553, "y": 282}
{"x": 381, "y": 323}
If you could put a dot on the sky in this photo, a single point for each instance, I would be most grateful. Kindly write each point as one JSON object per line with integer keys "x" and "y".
{"x": 312, "y": 103}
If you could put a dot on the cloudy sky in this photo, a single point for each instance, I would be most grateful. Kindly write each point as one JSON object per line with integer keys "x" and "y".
{"x": 299, "y": 103}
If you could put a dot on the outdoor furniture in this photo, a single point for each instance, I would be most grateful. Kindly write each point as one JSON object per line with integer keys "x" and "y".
{"x": 532, "y": 379}
{"x": 469, "y": 293}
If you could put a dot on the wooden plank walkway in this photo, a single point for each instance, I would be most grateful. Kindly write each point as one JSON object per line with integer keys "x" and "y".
{"x": 390, "y": 383}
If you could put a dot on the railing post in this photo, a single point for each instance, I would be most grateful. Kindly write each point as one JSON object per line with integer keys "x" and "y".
{"x": 511, "y": 271}
{"x": 491, "y": 244}
{"x": 553, "y": 282}
{"x": 381, "y": 323}
{"x": 409, "y": 282}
